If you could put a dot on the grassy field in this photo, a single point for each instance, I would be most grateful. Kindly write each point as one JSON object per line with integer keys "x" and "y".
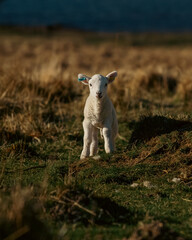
{"x": 142, "y": 191}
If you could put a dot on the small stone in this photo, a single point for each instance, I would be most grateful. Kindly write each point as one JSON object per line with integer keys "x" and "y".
{"x": 147, "y": 184}
{"x": 134, "y": 185}
{"x": 176, "y": 180}
{"x": 97, "y": 157}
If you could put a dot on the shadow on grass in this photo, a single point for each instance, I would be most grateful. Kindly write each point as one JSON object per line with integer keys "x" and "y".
{"x": 50, "y": 116}
{"x": 53, "y": 91}
{"x": 121, "y": 179}
{"x": 20, "y": 143}
{"x": 153, "y": 126}
{"x": 80, "y": 206}
{"x": 8, "y": 107}
{"x": 157, "y": 81}
{"x": 12, "y": 137}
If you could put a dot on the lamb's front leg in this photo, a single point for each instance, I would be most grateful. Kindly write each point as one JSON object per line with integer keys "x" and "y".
{"x": 94, "y": 143}
{"x": 87, "y": 127}
{"x": 107, "y": 134}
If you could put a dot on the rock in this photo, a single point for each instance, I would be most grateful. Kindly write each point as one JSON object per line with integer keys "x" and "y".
{"x": 176, "y": 180}
{"x": 147, "y": 184}
{"x": 97, "y": 157}
{"x": 133, "y": 185}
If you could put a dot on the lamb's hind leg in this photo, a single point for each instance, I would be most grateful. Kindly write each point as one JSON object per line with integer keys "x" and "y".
{"x": 87, "y": 139}
{"x": 94, "y": 143}
{"x": 113, "y": 143}
{"x": 114, "y": 135}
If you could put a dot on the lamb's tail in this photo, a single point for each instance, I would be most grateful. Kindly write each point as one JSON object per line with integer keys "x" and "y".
{"x": 121, "y": 137}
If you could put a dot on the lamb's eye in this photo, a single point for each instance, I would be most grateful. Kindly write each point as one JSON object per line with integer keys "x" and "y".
{"x": 90, "y": 85}
{"x": 105, "y": 84}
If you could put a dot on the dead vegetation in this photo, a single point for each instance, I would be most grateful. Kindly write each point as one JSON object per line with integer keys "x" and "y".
{"x": 153, "y": 231}
{"x": 20, "y": 216}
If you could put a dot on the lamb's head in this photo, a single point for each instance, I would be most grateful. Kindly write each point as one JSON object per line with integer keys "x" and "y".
{"x": 98, "y": 83}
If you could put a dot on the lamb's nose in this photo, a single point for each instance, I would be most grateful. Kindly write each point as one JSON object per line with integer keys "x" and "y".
{"x": 99, "y": 94}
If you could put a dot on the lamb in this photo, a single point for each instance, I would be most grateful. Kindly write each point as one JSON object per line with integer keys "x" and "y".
{"x": 99, "y": 113}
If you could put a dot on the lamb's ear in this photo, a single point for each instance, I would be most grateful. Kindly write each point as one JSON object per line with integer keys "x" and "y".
{"x": 83, "y": 78}
{"x": 111, "y": 76}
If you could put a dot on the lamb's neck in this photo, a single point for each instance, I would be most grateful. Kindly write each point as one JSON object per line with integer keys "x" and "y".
{"x": 98, "y": 104}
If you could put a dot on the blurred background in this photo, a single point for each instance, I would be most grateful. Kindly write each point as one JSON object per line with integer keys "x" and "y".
{"x": 46, "y": 192}
{"x": 99, "y": 15}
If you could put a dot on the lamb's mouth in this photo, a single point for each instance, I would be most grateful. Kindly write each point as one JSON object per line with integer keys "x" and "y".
{"x": 99, "y": 96}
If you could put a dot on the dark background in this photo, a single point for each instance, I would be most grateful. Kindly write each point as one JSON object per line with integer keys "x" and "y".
{"x": 98, "y": 15}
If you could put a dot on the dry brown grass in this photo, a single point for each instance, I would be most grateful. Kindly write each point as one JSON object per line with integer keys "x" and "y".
{"x": 32, "y": 68}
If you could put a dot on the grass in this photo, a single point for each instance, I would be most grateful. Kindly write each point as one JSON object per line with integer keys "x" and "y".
{"x": 46, "y": 191}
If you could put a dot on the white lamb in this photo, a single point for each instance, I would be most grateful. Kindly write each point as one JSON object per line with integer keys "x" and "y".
{"x": 99, "y": 113}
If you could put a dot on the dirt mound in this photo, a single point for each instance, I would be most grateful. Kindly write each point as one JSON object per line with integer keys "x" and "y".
{"x": 152, "y": 126}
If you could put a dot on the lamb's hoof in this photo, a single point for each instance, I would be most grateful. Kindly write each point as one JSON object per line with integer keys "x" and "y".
{"x": 109, "y": 151}
{"x": 83, "y": 157}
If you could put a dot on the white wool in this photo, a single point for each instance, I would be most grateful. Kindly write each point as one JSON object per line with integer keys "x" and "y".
{"x": 99, "y": 113}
